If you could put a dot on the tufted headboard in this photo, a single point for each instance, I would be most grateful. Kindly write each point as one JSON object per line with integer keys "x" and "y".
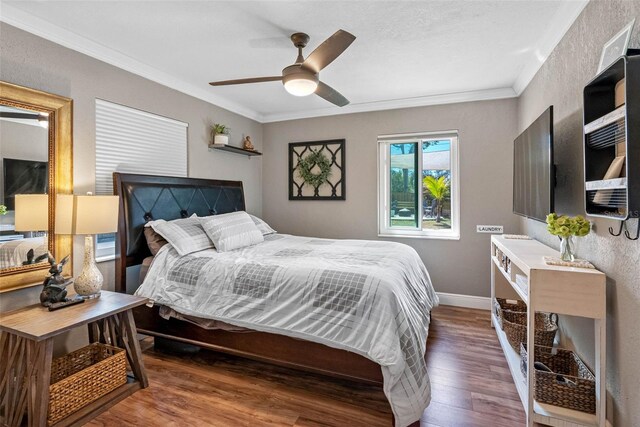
{"x": 148, "y": 197}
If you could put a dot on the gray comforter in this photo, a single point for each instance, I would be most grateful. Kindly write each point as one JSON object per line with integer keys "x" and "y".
{"x": 369, "y": 297}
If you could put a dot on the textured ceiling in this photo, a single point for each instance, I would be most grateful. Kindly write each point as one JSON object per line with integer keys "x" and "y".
{"x": 406, "y": 53}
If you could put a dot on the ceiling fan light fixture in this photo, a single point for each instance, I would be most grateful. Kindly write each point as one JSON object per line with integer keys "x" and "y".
{"x": 298, "y": 81}
{"x": 301, "y": 87}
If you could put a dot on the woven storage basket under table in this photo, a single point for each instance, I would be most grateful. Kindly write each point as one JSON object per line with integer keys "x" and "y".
{"x": 514, "y": 325}
{"x": 570, "y": 384}
{"x": 84, "y": 376}
{"x": 501, "y": 304}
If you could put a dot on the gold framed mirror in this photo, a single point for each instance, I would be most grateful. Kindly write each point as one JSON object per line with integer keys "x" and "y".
{"x": 36, "y": 161}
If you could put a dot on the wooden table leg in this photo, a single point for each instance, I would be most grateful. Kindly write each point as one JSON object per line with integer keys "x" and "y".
{"x": 137, "y": 365}
{"x": 9, "y": 389}
{"x": 26, "y": 372}
{"x": 39, "y": 382}
{"x": 94, "y": 332}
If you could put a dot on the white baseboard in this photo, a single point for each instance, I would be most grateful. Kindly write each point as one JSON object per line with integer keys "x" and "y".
{"x": 468, "y": 301}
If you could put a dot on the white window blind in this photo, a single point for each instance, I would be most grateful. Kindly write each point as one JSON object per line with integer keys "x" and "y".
{"x": 135, "y": 141}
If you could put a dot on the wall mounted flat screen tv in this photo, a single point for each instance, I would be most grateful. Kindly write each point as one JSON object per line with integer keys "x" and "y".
{"x": 533, "y": 169}
{"x": 24, "y": 177}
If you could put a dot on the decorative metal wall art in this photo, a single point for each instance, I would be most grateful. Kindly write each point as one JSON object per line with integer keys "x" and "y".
{"x": 317, "y": 170}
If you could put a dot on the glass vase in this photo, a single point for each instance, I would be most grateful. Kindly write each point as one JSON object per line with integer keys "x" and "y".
{"x": 568, "y": 248}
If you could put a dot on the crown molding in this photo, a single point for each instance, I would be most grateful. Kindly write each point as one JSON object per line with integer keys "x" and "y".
{"x": 421, "y": 101}
{"x": 42, "y": 28}
{"x": 557, "y": 28}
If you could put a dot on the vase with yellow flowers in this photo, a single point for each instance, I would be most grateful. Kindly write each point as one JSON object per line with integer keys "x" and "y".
{"x": 567, "y": 228}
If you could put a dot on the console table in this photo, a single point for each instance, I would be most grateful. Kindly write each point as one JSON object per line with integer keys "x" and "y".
{"x": 563, "y": 290}
{"x": 26, "y": 347}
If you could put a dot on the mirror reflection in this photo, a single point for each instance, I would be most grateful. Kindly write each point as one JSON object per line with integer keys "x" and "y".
{"x": 24, "y": 184}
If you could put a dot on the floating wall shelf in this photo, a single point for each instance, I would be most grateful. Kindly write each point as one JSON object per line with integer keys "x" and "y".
{"x": 236, "y": 150}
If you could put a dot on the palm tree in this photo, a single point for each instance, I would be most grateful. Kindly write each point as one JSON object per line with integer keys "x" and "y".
{"x": 439, "y": 189}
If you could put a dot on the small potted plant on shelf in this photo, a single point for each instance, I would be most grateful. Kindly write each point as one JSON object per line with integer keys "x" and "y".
{"x": 567, "y": 228}
{"x": 220, "y": 134}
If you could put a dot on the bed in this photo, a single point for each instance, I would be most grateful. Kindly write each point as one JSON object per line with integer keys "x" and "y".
{"x": 313, "y": 304}
{"x": 14, "y": 252}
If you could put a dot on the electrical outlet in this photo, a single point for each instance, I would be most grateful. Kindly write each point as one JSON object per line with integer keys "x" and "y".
{"x": 492, "y": 229}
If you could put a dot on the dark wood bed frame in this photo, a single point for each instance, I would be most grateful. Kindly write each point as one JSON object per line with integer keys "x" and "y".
{"x": 146, "y": 197}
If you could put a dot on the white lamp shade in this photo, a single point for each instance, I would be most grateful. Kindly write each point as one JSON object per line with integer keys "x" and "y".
{"x": 86, "y": 214}
{"x": 32, "y": 212}
{"x": 64, "y": 213}
{"x": 96, "y": 214}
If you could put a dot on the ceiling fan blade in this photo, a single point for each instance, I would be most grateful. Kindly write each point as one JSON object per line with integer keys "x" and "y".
{"x": 243, "y": 81}
{"x": 329, "y": 50}
{"x": 330, "y": 94}
{"x": 11, "y": 115}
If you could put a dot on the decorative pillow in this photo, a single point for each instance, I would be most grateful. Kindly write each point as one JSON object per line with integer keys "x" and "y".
{"x": 232, "y": 231}
{"x": 154, "y": 240}
{"x": 186, "y": 235}
{"x": 262, "y": 226}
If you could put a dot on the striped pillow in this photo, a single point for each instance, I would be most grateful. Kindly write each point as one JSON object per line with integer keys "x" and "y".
{"x": 185, "y": 235}
{"x": 232, "y": 231}
{"x": 262, "y": 226}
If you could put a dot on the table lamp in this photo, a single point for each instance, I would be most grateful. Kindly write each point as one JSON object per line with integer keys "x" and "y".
{"x": 32, "y": 212}
{"x": 87, "y": 215}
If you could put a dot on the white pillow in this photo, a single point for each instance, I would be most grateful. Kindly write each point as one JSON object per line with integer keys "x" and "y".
{"x": 186, "y": 235}
{"x": 262, "y": 226}
{"x": 232, "y": 231}
{"x": 150, "y": 223}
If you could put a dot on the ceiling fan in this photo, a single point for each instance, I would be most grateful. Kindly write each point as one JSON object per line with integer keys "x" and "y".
{"x": 302, "y": 78}
{"x": 42, "y": 119}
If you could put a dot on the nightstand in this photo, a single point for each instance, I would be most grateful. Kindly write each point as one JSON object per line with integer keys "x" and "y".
{"x": 26, "y": 347}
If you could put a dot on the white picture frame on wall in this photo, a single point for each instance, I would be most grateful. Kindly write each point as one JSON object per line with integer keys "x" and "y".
{"x": 616, "y": 46}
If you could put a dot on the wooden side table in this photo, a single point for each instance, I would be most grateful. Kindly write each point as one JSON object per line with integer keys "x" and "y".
{"x": 26, "y": 347}
{"x": 579, "y": 292}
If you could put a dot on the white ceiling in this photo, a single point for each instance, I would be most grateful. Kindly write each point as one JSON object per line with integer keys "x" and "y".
{"x": 407, "y": 53}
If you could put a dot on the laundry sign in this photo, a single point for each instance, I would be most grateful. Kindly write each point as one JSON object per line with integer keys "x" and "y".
{"x": 493, "y": 229}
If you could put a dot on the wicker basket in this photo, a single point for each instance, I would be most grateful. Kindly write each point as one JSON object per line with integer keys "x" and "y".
{"x": 514, "y": 325}
{"x": 84, "y": 376}
{"x": 501, "y": 304}
{"x": 571, "y": 384}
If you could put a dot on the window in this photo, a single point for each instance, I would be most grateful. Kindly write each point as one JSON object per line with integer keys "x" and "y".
{"x": 418, "y": 186}
{"x": 134, "y": 141}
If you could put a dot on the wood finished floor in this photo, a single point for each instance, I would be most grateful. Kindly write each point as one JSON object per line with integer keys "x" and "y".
{"x": 471, "y": 386}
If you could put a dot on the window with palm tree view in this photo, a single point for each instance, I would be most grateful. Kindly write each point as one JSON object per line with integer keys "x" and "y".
{"x": 419, "y": 185}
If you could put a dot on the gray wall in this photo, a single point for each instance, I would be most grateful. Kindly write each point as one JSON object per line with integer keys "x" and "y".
{"x": 559, "y": 83}
{"x": 486, "y": 130}
{"x": 33, "y": 62}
